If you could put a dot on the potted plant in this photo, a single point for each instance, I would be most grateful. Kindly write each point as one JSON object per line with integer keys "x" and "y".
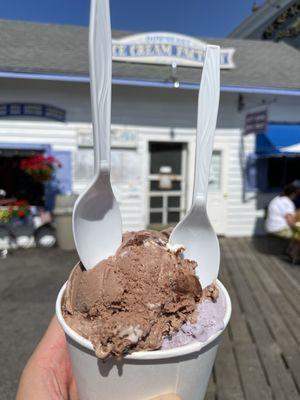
{"x": 40, "y": 167}
{"x": 19, "y": 209}
{"x": 5, "y": 214}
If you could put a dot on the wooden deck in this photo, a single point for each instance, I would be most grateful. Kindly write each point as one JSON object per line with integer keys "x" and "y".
{"x": 259, "y": 358}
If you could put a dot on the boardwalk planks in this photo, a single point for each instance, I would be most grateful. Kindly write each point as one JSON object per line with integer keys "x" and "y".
{"x": 272, "y": 337}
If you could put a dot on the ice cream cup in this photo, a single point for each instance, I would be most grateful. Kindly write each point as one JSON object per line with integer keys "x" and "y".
{"x": 143, "y": 375}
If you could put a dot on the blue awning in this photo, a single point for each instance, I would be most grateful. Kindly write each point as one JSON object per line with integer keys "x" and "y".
{"x": 279, "y": 140}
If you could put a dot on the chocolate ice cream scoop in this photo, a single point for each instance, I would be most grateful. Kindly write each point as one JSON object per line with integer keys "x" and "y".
{"x": 130, "y": 301}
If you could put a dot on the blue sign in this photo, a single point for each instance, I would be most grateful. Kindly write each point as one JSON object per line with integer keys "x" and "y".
{"x": 32, "y": 110}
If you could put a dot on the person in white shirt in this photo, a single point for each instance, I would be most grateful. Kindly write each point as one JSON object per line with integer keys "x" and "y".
{"x": 281, "y": 219}
{"x": 281, "y": 213}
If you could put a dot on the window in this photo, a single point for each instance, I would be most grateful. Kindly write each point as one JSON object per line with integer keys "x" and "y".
{"x": 282, "y": 171}
{"x": 125, "y": 165}
{"x": 273, "y": 173}
{"x": 162, "y": 153}
{"x": 215, "y": 172}
{"x": 84, "y": 164}
{"x": 166, "y": 203}
{"x": 15, "y": 182}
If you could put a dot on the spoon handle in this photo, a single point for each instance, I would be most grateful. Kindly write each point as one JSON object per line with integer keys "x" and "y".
{"x": 100, "y": 62}
{"x": 208, "y": 104}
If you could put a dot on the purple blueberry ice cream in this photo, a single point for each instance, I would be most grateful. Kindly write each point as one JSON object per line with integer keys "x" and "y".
{"x": 210, "y": 319}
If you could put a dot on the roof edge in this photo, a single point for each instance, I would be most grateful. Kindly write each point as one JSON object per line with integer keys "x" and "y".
{"x": 149, "y": 83}
{"x": 266, "y": 12}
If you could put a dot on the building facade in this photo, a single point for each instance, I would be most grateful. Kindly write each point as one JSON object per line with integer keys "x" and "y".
{"x": 277, "y": 20}
{"x": 45, "y": 107}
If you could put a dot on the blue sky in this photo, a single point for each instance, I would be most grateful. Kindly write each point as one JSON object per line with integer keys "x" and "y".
{"x": 214, "y": 18}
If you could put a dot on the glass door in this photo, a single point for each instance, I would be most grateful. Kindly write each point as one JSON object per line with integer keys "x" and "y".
{"x": 217, "y": 192}
{"x": 166, "y": 189}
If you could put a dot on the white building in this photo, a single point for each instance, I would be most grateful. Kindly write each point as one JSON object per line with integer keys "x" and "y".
{"x": 45, "y": 106}
{"x": 273, "y": 20}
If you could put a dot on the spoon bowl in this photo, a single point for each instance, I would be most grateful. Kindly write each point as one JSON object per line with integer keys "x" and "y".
{"x": 195, "y": 232}
{"x": 97, "y": 222}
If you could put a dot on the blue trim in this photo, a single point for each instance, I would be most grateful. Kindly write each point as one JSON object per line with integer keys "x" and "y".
{"x": 260, "y": 90}
{"x": 148, "y": 83}
{"x": 62, "y": 181}
{"x": 26, "y": 146}
{"x": 46, "y": 77}
{"x": 155, "y": 84}
{"x": 64, "y": 174}
{"x": 195, "y": 86}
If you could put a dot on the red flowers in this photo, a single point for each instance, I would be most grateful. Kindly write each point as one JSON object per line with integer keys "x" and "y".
{"x": 40, "y": 167}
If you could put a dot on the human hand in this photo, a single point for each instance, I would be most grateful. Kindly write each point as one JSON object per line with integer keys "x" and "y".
{"x": 48, "y": 373}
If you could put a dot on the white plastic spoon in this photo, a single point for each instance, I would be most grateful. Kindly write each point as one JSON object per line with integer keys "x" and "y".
{"x": 97, "y": 224}
{"x": 195, "y": 232}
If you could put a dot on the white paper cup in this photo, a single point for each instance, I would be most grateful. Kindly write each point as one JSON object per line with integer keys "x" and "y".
{"x": 142, "y": 375}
